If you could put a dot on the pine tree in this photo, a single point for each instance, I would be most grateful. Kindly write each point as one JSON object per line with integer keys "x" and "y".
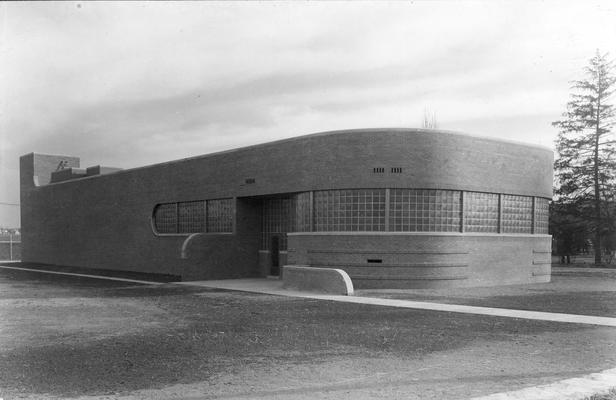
{"x": 586, "y": 163}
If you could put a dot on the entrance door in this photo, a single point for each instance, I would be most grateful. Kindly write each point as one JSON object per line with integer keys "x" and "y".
{"x": 275, "y": 252}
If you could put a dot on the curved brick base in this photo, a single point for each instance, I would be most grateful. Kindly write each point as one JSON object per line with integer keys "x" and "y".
{"x": 417, "y": 260}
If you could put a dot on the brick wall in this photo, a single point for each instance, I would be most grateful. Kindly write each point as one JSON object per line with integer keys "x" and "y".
{"x": 105, "y": 221}
{"x": 418, "y": 260}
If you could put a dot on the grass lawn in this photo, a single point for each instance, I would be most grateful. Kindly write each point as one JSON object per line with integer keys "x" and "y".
{"x": 67, "y": 336}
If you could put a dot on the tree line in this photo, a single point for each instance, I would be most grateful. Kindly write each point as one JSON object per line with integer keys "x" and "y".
{"x": 583, "y": 211}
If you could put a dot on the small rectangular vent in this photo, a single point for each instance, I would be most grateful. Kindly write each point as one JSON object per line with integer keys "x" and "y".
{"x": 250, "y": 180}
{"x": 378, "y": 170}
{"x": 396, "y": 170}
{"x": 374, "y": 260}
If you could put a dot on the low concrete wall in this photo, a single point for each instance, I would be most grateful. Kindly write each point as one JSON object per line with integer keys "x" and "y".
{"x": 324, "y": 280}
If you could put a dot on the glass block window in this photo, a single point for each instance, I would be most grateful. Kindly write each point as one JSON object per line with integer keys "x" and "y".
{"x": 194, "y": 216}
{"x": 542, "y": 215}
{"x": 166, "y": 218}
{"x": 279, "y": 218}
{"x": 424, "y": 210}
{"x": 220, "y": 215}
{"x": 302, "y": 212}
{"x": 517, "y": 214}
{"x": 480, "y": 212}
{"x": 349, "y": 210}
{"x": 191, "y": 216}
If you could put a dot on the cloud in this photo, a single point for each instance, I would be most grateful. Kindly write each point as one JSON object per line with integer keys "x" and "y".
{"x": 132, "y": 83}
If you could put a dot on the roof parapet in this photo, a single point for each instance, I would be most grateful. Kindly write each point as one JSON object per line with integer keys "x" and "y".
{"x": 67, "y": 174}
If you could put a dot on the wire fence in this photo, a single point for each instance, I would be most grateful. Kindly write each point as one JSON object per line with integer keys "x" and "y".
{"x": 607, "y": 258}
{"x": 10, "y": 247}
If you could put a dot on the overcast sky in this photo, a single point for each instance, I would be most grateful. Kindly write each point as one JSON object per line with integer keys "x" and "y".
{"x": 129, "y": 84}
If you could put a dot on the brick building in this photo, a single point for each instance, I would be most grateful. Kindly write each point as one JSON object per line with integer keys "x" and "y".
{"x": 392, "y": 207}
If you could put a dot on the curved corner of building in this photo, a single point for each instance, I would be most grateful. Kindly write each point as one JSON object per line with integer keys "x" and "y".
{"x": 427, "y": 261}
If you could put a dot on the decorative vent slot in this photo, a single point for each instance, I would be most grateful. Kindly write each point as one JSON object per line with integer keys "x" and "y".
{"x": 378, "y": 170}
{"x": 374, "y": 261}
{"x": 396, "y": 170}
{"x": 250, "y": 180}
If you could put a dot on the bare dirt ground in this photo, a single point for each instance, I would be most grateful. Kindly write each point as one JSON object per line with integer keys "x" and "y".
{"x": 68, "y": 337}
